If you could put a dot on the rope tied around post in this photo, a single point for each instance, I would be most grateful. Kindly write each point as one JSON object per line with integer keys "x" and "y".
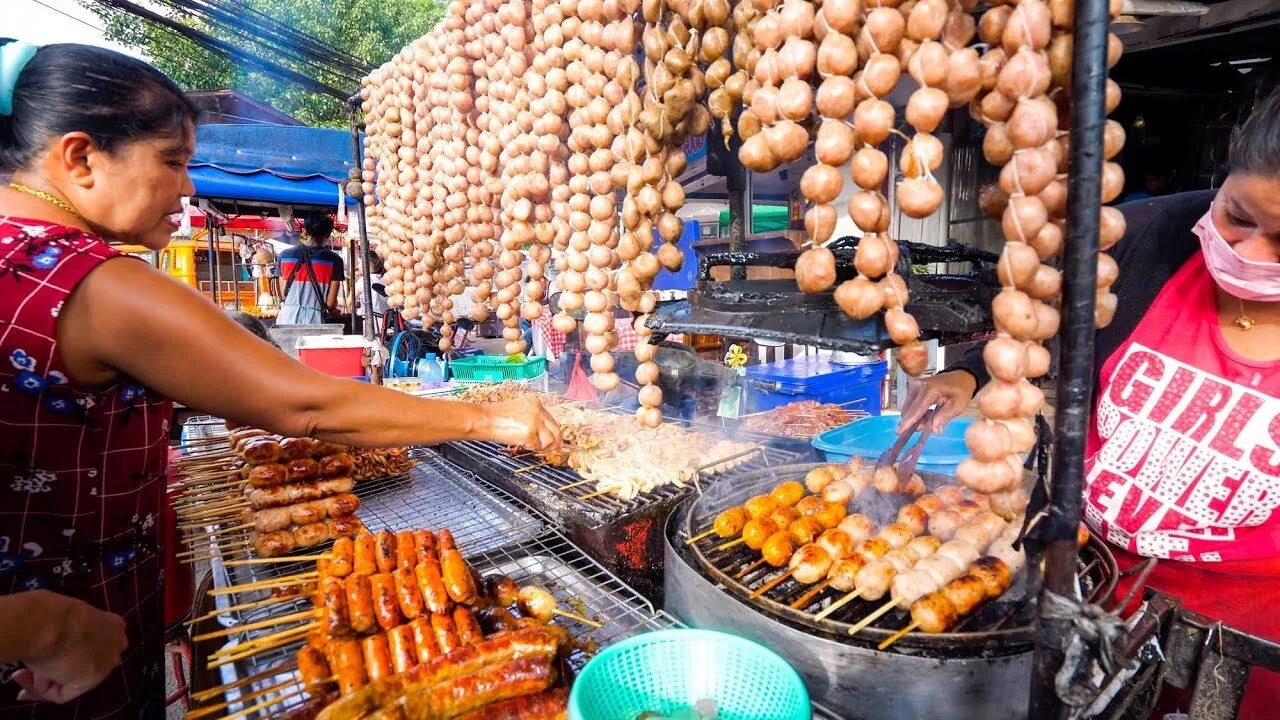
{"x": 1092, "y": 652}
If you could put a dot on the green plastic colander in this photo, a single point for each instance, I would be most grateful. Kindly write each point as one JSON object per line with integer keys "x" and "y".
{"x": 667, "y": 671}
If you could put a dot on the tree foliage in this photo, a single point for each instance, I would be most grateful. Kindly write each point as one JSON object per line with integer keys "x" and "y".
{"x": 371, "y": 30}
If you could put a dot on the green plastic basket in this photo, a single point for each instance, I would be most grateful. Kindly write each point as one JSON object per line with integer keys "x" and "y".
{"x": 667, "y": 671}
{"x": 495, "y": 368}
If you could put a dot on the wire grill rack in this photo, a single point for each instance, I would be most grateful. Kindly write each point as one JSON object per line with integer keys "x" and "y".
{"x": 559, "y": 490}
{"x": 496, "y": 532}
{"x": 1006, "y": 619}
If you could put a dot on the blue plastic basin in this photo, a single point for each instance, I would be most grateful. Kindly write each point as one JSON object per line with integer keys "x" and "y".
{"x": 868, "y": 437}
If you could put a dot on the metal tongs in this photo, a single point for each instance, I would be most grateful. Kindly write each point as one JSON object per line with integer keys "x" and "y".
{"x": 907, "y": 465}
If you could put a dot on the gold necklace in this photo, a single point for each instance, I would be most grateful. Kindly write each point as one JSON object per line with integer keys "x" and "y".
{"x": 1244, "y": 322}
{"x": 51, "y": 199}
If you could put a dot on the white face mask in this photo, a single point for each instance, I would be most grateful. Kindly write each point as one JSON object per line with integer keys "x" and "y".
{"x": 1242, "y": 278}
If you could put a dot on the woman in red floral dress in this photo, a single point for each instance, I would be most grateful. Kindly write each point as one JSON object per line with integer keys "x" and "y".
{"x": 92, "y": 345}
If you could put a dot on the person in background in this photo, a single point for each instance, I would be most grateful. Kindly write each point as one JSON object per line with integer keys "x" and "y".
{"x": 379, "y": 304}
{"x": 1182, "y": 460}
{"x": 1157, "y": 180}
{"x": 95, "y": 347}
{"x": 310, "y": 276}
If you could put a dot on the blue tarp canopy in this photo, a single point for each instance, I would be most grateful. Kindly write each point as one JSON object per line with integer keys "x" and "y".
{"x": 271, "y": 163}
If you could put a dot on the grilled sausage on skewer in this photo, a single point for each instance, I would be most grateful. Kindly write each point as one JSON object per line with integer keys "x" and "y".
{"x": 336, "y": 465}
{"x": 386, "y": 608}
{"x": 313, "y": 669}
{"x": 457, "y": 577}
{"x": 268, "y": 475}
{"x": 424, "y": 544}
{"x": 366, "y": 559}
{"x": 348, "y": 661}
{"x": 464, "y": 622}
{"x": 406, "y": 550}
{"x": 334, "y": 615}
{"x": 341, "y": 557}
{"x": 445, "y": 632}
{"x": 385, "y": 545}
{"x": 377, "y": 657}
{"x": 359, "y": 603}
{"x": 407, "y": 593}
{"x": 424, "y": 638}
{"x": 431, "y": 585}
{"x": 404, "y": 653}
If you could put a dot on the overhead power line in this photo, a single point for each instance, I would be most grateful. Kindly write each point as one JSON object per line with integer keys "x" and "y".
{"x": 227, "y": 50}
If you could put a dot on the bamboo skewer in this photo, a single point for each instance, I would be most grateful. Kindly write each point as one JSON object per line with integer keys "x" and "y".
{"x": 279, "y": 640}
{"x": 288, "y": 559}
{"x": 264, "y": 704}
{"x": 527, "y": 468}
{"x": 699, "y": 536}
{"x": 269, "y": 622}
{"x": 218, "y": 556}
{"x": 201, "y": 712}
{"x": 197, "y": 550}
{"x": 597, "y": 493}
{"x": 205, "y": 694}
{"x": 256, "y": 645}
{"x": 204, "y": 489}
{"x": 838, "y": 604}
{"x": 749, "y": 569}
{"x": 898, "y": 635}
{"x": 209, "y": 534}
{"x": 579, "y": 618}
{"x": 771, "y": 584}
{"x": 875, "y": 615}
{"x": 731, "y": 543}
{"x": 261, "y": 584}
{"x": 238, "y": 608}
{"x": 809, "y": 596}
{"x": 576, "y": 484}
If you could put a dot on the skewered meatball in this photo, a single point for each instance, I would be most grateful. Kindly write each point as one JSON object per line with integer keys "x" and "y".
{"x": 913, "y": 517}
{"x": 817, "y": 479}
{"x": 874, "y": 578}
{"x": 994, "y": 574}
{"x": 805, "y": 530}
{"x": 760, "y": 506}
{"x": 857, "y": 526}
{"x": 810, "y": 564}
{"x": 923, "y": 546}
{"x": 933, "y": 613}
{"x": 729, "y": 523}
{"x": 959, "y": 552}
{"x": 896, "y": 534}
{"x": 787, "y": 493}
{"x": 537, "y": 603}
{"x": 873, "y": 548}
{"x": 756, "y": 531}
{"x": 843, "y": 574}
{"x": 965, "y": 593}
{"x": 837, "y": 491}
{"x": 810, "y": 504}
{"x": 830, "y": 515}
{"x": 885, "y": 479}
{"x": 777, "y": 548}
{"x": 784, "y": 516}
{"x": 837, "y": 543}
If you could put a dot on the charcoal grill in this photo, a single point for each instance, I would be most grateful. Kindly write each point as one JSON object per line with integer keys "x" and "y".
{"x": 980, "y": 670}
{"x": 624, "y": 535}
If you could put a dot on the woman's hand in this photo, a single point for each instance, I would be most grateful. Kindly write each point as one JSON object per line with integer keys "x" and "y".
{"x": 74, "y": 649}
{"x": 522, "y": 422}
{"x": 950, "y": 391}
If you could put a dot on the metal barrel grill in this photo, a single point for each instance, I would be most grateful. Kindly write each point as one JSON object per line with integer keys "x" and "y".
{"x": 981, "y": 669}
{"x": 624, "y": 535}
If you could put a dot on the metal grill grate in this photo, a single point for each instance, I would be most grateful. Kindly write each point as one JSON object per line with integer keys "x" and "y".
{"x": 736, "y": 569}
{"x": 557, "y": 489}
{"x": 496, "y": 532}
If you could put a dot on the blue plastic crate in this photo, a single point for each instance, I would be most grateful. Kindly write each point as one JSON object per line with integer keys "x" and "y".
{"x": 869, "y": 437}
{"x": 857, "y": 387}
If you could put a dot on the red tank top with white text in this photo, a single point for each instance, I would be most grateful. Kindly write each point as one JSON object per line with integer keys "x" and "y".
{"x": 1183, "y": 457}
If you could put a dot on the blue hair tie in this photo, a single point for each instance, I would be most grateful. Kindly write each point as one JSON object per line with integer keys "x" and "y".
{"x": 14, "y": 56}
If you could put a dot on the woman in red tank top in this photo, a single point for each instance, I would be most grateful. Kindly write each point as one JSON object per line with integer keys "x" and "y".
{"x": 1183, "y": 455}
{"x": 92, "y": 345}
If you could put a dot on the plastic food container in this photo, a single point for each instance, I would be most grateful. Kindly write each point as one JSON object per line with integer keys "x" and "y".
{"x": 668, "y": 671}
{"x": 856, "y": 387}
{"x": 495, "y": 368}
{"x": 340, "y": 355}
{"x": 869, "y": 437}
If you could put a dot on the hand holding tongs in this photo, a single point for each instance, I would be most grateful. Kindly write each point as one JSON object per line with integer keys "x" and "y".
{"x": 907, "y": 466}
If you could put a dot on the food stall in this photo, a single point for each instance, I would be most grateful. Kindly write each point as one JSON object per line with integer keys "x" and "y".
{"x": 521, "y": 146}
